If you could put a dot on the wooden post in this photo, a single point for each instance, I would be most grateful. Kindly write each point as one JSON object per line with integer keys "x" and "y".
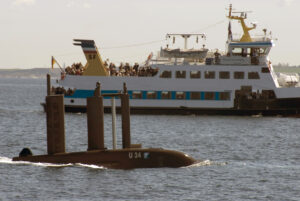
{"x": 48, "y": 85}
{"x": 113, "y": 123}
{"x": 125, "y": 111}
{"x": 95, "y": 121}
{"x": 55, "y": 124}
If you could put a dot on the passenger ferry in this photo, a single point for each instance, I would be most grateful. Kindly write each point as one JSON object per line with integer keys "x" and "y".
{"x": 240, "y": 81}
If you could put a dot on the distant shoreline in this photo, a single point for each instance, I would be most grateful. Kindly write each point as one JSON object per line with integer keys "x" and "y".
{"x": 29, "y": 73}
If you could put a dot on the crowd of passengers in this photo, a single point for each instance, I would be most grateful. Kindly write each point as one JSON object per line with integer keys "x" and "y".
{"x": 62, "y": 90}
{"x": 127, "y": 70}
{"x": 123, "y": 70}
{"x": 75, "y": 69}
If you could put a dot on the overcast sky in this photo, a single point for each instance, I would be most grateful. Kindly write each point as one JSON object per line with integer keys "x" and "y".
{"x": 34, "y": 30}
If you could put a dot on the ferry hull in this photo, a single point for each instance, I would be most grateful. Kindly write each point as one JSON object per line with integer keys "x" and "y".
{"x": 243, "y": 107}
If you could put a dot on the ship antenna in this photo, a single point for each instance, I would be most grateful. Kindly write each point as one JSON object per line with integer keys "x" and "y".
{"x": 230, "y": 9}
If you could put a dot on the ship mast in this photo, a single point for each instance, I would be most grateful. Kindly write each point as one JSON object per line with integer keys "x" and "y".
{"x": 243, "y": 15}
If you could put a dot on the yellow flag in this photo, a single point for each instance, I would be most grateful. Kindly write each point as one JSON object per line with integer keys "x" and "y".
{"x": 53, "y": 61}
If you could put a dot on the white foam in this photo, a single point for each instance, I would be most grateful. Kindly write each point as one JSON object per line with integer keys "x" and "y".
{"x": 7, "y": 160}
{"x": 207, "y": 163}
{"x": 51, "y": 164}
{"x": 10, "y": 161}
{"x": 257, "y": 116}
{"x": 90, "y": 166}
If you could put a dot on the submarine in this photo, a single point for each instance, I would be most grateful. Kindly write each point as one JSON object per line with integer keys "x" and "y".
{"x": 130, "y": 156}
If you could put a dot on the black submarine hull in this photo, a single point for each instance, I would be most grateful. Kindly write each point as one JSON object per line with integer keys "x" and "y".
{"x": 118, "y": 159}
{"x": 129, "y": 157}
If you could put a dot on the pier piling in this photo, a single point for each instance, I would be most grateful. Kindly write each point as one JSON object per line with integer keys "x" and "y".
{"x": 55, "y": 124}
{"x": 95, "y": 120}
{"x": 125, "y": 111}
{"x": 48, "y": 85}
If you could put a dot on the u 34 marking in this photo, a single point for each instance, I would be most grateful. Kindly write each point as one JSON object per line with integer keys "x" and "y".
{"x": 134, "y": 155}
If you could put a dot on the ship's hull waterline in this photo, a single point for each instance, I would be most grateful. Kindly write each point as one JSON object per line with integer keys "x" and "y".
{"x": 275, "y": 107}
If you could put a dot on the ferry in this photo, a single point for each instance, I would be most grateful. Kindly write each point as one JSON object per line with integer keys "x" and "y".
{"x": 239, "y": 81}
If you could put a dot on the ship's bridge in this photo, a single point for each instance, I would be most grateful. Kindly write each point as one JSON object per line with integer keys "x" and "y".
{"x": 245, "y": 53}
{"x": 246, "y": 50}
{"x": 261, "y": 46}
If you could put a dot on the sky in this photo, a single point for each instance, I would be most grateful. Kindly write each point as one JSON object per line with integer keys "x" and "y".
{"x": 129, "y": 30}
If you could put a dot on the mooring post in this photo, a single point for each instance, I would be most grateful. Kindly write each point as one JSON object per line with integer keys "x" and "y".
{"x": 95, "y": 120}
{"x": 97, "y": 91}
{"x": 113, "y": 114}
{"x": 48, "y": 85}
{"x": 55, "y": 124}
{"x": 125, "y": 111}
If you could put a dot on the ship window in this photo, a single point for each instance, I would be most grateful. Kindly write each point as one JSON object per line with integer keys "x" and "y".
{"x": 180, "y": 74}
{"x": 151, "y": 95}
{"x": 195, "y": 74}
{"x": 224, "y": 96}
{"x": 195, "y": 95}
{"x": 224, "y": 74}
{"x": 166, "y": 74}
{"x": 165, "y": 95}
{"x": 209, "y": 95}
{"x": 262, "y": 51}
{"x": 239, "y": 75}
{"x": 209, "y": 74}
{"x": 180, "y": 95}
{"x": 265, "y": 70}
{"x": 237, "y": 51}
{"x": 253, "y": 75}
{"x": 136, "y": 95}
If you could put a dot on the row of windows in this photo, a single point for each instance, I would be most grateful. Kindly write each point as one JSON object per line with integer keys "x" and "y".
{"x": 158, "y": 95}
{"x": 210, "y": 75}
{"x": 179, "y": 95}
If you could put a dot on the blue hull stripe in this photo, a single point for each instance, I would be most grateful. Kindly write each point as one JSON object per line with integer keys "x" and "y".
{"x": 81, "y": 94}
{"x": 252, "y": 44}
{"x": 89, "y": 93}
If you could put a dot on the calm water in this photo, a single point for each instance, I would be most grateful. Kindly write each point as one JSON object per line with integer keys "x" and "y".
{"x": 245, "y": 158}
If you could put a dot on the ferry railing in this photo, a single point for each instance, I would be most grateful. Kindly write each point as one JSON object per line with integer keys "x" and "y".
{"x": 255, "y": 38}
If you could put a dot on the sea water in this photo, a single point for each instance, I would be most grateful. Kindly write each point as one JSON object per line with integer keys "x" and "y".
{"x": 241, "y": 158}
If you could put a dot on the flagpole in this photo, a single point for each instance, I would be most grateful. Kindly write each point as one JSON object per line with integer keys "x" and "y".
{"x": 60, "y": 67}
{"x": 53, "y": 61}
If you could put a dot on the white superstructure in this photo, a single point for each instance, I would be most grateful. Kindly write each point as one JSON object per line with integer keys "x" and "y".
{"x": 239, "y": 81}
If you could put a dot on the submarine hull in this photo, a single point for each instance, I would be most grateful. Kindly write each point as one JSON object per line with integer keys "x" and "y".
{"x": 118, "y": 159}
